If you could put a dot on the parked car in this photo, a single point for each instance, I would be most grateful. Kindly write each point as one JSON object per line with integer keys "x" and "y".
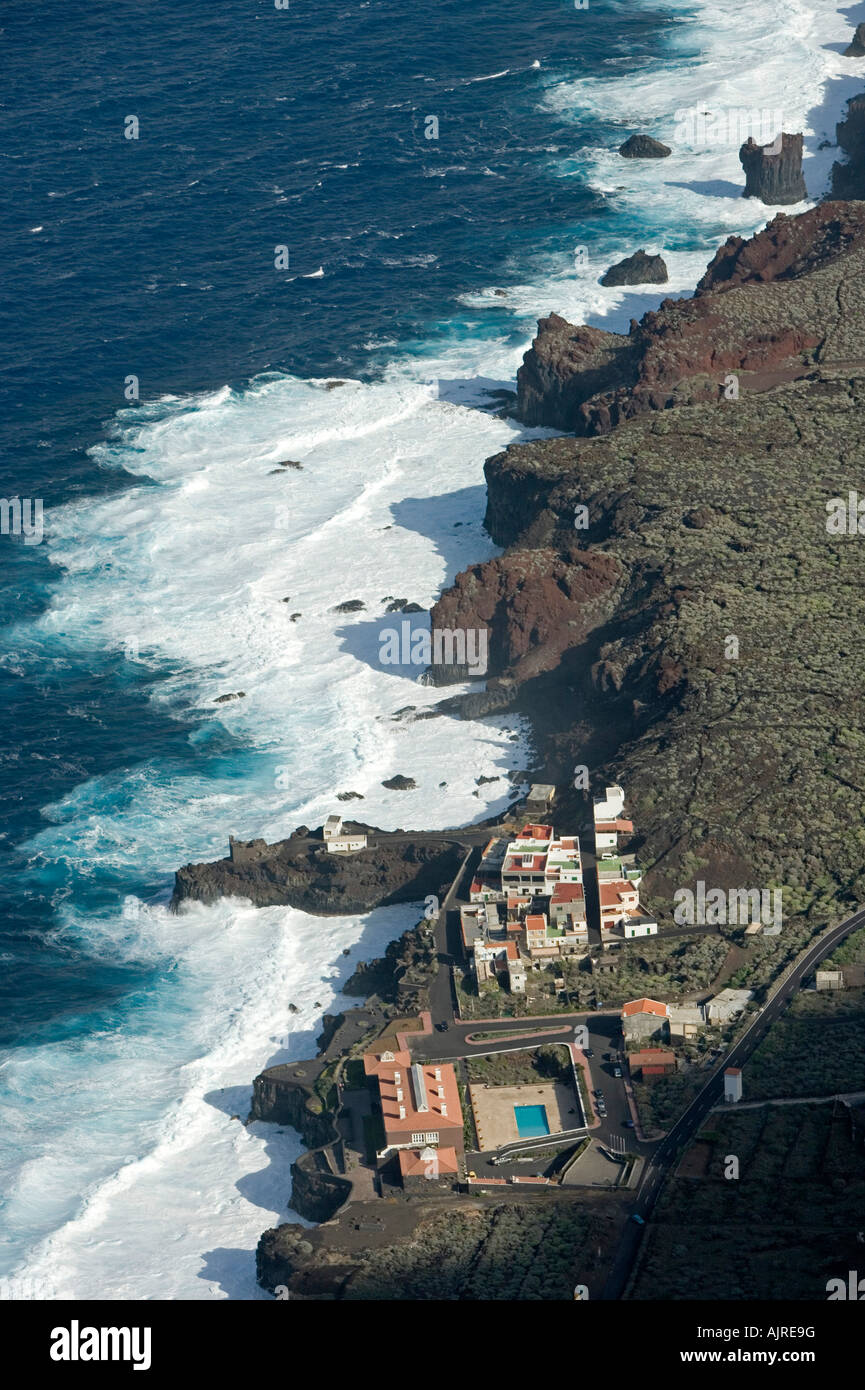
{"x": 629, "y": 1124}
{"x": 637, "y": 1219}
{"x": 588, "y": 1052}
{"x": 442, "y": 1027}
{"x": 617, "y": 1071}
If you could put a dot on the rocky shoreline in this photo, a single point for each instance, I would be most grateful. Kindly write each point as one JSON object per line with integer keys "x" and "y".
{"x": 671, "y": 608}
{"x": 300, "y": 872}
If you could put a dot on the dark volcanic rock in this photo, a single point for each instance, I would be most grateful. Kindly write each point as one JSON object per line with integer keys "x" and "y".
{"x": 349, "y": 796}
{"x": 566, "y": 366}
{"x": 643, "y": 147}
{"x": 300, "y": 872}
{"x": 638, "y": 269}
{"x": 772, "y": 174}
{"x": 400, "y": 783}
{"x": 711, "y": 512}
{"x": 232, "y": 695}
{"x": 352, "y": 605}
{"x": 856, "y": 49}
{"x": 848, "y": 179}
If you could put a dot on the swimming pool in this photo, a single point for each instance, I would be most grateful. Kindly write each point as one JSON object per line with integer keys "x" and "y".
{"x": 531, "y": 1121}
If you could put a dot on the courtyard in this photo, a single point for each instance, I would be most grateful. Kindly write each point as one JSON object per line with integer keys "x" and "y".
{"x": 506, "y": 1114}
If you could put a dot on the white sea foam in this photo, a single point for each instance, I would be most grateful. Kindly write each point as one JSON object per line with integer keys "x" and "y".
{"x": 188, "y": 578}
{"x": 141, "y": 1184}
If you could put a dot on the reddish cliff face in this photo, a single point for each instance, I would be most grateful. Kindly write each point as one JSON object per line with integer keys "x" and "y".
{"x": 533, "y": 603}
{"x": 748, "y": 316}
{"x": 787, "y": 247}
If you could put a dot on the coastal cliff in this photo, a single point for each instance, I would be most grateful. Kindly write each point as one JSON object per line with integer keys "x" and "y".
{"x": 716, "y": 656}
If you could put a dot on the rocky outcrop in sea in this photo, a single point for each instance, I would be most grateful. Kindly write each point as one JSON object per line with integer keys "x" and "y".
{"x": 643, "y": 147}
{"x": 773, "y": 173}
{"x": 300, "y": 872}
{"x": 639, "y": 269}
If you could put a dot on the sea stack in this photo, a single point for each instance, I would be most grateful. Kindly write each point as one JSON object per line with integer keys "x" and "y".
{"x": 856, "y": 49}
{"x": 848, "y": 177}
{"x": 638, "y": 269}
{"x": 773, "y": 173}
{"x": 643, "y": 147}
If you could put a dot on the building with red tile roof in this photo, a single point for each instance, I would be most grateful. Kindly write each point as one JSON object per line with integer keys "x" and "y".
{"x": 652, "y": 1061}
{"x": 426, "y": 1165}
{"x": 420, "y": 1102}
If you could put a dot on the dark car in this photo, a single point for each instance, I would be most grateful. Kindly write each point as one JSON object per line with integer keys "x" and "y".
{"x": 442, "y": 1027}
{"x": 588, "y": 1052}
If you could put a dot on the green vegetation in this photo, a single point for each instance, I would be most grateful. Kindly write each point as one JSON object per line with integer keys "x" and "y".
{"x": 851, "y": 951}
{"x": 662, "y": 1100}
{"x": 808, "y": 1055}
{"x": 470, "y": 1135}
{"x": 373, "y": 1135}
{"x": 548, "y": 1063}
{"x": 779, "y": 1231}
{"x": 353, "y": 1076}
{"x": 507, "y": 1252}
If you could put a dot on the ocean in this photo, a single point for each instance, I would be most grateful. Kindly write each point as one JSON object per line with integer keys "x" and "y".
{"x": 328, "y": 241}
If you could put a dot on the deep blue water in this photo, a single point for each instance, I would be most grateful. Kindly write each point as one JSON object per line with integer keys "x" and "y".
{"x": 155, "y": 257}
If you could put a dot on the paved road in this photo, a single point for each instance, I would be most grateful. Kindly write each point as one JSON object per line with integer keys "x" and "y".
{"x": 604, "y": 1040}
{"x": 658, "y": 1168}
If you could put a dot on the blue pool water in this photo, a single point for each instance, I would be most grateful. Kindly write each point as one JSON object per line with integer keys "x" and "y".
{"x": 531, "y": 1121}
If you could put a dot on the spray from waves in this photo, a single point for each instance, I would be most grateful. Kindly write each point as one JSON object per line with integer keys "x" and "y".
{"x": 175, "y": 1190}
{"x": 195, "y": 574}
{"x": 730, "y": 59}
{"x": 726, "y": 65}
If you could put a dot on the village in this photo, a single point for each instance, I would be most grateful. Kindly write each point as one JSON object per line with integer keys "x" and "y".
{"x": 441, "y": 1103}
{"x": 539, "y": 1051}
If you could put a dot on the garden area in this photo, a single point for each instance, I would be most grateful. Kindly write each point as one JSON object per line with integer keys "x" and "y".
{"x": 815, "y": 1049}
{"x": 551, "y": 1062}
{"x": 661, "y": 1101}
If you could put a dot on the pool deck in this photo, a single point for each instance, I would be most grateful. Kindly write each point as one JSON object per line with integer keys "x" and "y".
{"x": 493, "y": 1108}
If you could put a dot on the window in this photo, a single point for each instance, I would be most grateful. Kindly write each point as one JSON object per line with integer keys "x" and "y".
{"x": 425, "y": 1138}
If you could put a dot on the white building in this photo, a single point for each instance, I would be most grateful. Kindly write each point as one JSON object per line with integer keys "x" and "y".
{"x": 564, "y": 863}
{"x": 338, "y": 841}
{"x": 732, "y": 1084}
{"x": 727, "y": 1004}
{"x": 344, "y": 844}
{"x": 637, "y": 922}
{"x": 516, "y": 976}
{"x": 525, "y": 862}
{"x": 609, "y": 806}
{"x": 607, "y": 834}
